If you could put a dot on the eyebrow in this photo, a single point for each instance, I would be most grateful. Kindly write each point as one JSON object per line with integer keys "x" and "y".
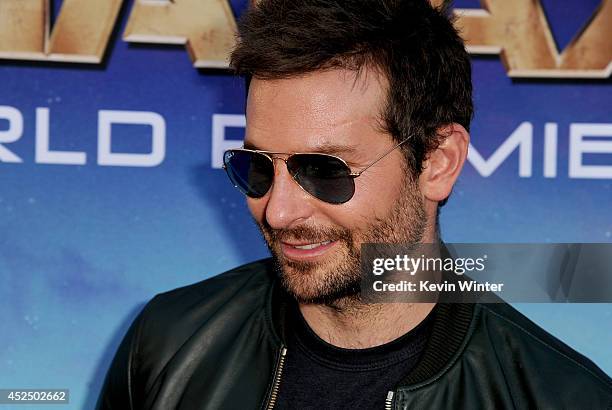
{"x": 331, "y": 149}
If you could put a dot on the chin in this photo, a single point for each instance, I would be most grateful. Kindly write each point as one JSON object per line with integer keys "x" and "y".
{"x": 319, "y": 283}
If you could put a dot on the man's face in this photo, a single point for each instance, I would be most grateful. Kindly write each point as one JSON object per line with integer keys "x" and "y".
{"x": 315, "y": 244}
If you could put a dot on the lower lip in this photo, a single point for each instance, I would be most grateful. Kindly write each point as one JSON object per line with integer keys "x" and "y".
{"x": 305, "y": 254}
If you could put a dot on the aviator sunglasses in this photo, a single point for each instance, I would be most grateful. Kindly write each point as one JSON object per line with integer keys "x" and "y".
{"x": 324, "y": 176}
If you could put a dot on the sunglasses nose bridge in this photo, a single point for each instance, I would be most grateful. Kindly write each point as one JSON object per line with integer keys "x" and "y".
{"x": 292, "y": 173}
{"x": 275, "y": 157}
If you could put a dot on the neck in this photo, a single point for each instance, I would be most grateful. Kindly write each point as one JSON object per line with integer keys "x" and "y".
{"x": 351, "y": 324}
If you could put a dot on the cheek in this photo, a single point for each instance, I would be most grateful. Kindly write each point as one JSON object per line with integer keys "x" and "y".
{"x": 368, "y": 203}
{"x": 376, "y": 193}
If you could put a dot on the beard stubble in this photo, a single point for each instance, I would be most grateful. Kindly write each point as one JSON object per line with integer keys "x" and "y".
{"x": 337, "y": 282}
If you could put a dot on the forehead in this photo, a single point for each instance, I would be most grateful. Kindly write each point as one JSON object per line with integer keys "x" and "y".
{"x": 332, "y": 107}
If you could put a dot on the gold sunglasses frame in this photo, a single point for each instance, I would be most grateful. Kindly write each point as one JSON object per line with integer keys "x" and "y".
{"x": 272, "y": 155}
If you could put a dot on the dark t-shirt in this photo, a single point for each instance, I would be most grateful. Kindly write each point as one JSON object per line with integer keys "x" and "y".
{"x": 318, "y": 375}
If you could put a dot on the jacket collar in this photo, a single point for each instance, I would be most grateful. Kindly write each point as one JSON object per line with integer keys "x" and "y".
{"x": 450, "y": 330}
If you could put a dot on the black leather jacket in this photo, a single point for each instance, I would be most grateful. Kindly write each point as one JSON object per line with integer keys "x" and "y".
{"x": 218, "y": 344}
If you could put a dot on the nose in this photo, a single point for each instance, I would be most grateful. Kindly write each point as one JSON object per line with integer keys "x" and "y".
{"x": 288, "y": 204}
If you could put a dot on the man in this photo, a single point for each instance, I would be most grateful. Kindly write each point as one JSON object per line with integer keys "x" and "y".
{"x": 357, "y": 128}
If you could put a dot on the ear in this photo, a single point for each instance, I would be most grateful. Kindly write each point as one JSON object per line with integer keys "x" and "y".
{"x": 443, "y": 165}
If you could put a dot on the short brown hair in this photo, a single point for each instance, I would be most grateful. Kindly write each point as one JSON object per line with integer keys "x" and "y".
{"x": 414, "y": 44}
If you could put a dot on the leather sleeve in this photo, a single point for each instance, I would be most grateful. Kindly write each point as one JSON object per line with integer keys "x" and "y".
{"x": 117, "y": 392}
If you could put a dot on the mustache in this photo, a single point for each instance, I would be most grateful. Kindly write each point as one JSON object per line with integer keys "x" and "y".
{"x": 311, "y": 234}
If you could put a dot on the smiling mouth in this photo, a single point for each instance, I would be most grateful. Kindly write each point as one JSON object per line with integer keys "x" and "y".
{"x": 310, "y": 245}
{"x": 306, "y": 251}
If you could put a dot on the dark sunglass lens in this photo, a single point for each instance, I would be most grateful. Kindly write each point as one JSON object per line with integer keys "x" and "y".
{"x": 325, "y": 177}
{"x": 251, "y": 172}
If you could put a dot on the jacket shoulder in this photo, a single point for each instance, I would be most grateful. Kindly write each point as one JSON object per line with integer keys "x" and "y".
{"x": 188, "y": 319}
{"x": 231, "y": 297}
{"x": 215, "y": 292}
{"x": 532, "y": 359}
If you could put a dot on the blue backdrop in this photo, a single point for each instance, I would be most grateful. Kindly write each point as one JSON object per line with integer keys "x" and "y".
{"x": 82, "y": 247}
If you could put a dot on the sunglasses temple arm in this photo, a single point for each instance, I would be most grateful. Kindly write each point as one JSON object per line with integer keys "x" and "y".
{"x": 356, "y": 174}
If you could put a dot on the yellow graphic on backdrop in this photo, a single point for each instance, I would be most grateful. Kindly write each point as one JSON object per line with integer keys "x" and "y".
{"x": 206, "y": 27}
{"x": 517, "y": 30}
{"x": 80, "y": 33}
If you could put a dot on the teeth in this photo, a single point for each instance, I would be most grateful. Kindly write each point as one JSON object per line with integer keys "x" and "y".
{"x": 312, "y": 245}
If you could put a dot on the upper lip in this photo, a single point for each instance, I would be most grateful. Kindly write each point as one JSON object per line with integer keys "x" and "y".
{"x": 305, "y": 243}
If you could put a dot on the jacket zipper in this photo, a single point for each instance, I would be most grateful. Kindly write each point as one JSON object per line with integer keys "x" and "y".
{"x": 389, "y": 401}
{"x": 277, "y": 379}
